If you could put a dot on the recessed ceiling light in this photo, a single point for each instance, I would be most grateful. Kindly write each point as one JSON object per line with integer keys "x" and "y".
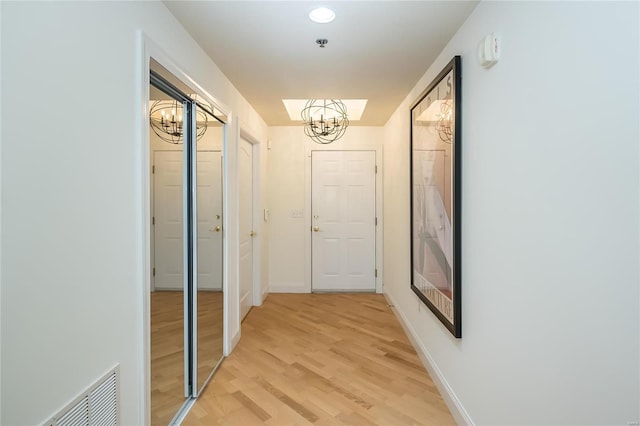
{"x": 322, "y": 15}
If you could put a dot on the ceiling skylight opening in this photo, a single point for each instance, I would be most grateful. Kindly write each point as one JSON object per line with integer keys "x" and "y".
{"x": 355, "y": 108}
{"x": 322, "y": 15}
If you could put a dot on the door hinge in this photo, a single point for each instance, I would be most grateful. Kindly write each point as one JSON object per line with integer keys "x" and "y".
{"x": 376, "y": 169}
{"x": 376, "y": 273}
{"x": 153, "y": 220}
{"x": 376, "y": 221}
{"x": 154, "y": 272}
{"x": 153, "y": 169}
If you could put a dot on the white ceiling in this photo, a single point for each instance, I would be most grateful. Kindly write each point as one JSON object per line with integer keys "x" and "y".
{"x": 377, "y": 50}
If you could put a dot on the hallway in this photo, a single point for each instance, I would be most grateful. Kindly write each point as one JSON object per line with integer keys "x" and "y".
{"x": 321, "y": 359}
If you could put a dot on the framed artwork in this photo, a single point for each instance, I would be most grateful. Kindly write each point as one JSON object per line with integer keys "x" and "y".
{"x": 435, "y": 196}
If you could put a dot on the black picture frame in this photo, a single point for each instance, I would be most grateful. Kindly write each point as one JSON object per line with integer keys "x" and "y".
{"x": 436, "y": 161}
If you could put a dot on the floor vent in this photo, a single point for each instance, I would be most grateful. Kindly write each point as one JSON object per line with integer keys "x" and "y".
{"x": 97, "y": 406}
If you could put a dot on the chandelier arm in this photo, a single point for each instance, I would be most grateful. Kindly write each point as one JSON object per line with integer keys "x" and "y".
{"x": 332, "y": 123}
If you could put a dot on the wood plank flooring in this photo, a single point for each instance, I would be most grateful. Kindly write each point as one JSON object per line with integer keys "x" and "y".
{"x": 167, "y": 348}
{"x": 322, "y": 359}
{"x": 167, "y": 368}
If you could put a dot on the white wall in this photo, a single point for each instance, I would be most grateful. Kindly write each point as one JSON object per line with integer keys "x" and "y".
{"x": 71, "y": 197}
{"x": 287, "y": 191}
{"x": 550, "y": 283}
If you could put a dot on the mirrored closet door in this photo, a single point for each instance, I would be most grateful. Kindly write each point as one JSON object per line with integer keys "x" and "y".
{"x": 209, "y": 303}
{"x": 186, "y": 316}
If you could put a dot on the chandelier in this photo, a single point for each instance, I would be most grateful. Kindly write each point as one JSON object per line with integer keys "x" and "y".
{"x": 167, "y": 122}
{"x": 325, "y": 120}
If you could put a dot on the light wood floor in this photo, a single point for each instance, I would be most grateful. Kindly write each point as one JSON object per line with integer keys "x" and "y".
{"x": 167, "y": 348}
{"x": 323, "y": 359}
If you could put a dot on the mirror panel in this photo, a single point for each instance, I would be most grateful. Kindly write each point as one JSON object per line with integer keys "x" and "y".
{"x": 209, "y": 211}
{"x": 167, "y": 282}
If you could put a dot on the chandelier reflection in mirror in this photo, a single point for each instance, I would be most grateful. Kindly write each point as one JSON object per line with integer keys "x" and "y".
{"x": 443, "y": 126}
{"x": 325, "y": 120}
{"x": 438, "y": 117}
{"x": 167, "y": 122}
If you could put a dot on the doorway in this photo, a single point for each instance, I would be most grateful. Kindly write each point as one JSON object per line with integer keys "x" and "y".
{"x": 343, "y": 221}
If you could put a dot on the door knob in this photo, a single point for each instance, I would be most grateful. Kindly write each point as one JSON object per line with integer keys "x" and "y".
{"x": 253, "y": 234}
{"x": 216, "y": 229}
{"x": 316, "y": 229}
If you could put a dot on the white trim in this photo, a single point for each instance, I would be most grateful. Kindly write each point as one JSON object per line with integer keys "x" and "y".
{"x": 460, "y": 415}
{"x": 248, "y": 135}
{"x": 380, "y": 216}
{"x": 143, "y": 200}
{"x": 307, "y": 220}
{"x": 242, "y": 299}
{"x": 235, "y": 338}
{"x": 148, "y": 49}
{"x": 232, "y": 176}
{"x": 226, "y": 339}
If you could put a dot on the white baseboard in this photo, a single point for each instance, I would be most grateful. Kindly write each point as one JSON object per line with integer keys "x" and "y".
{"x": 265, "y": 293}
{"x": 288, "y": 289}
{"x": 234, "y": 341}
{"x": 455, "y": 406}
{"x": 242, "y": 299}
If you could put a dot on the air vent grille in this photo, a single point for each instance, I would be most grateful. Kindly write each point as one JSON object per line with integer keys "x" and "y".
{"x": 104, "y": 403}
{"x": 78, "y": 415}
{"x": 97, "y": 406}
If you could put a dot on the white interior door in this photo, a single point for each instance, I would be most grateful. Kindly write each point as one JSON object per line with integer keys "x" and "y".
{"x": 209, "y": 183}
{"x": 168, "y": 228}
{"x": 167, "y": 219}
{"x": 343, "y": 206}
{"x": 245, "y": 170}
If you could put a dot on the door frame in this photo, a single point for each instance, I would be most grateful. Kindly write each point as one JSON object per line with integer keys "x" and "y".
{"x": 147, "y": 49}
{"x": 256, "y": 216}
{"x": 307, "y": 208}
